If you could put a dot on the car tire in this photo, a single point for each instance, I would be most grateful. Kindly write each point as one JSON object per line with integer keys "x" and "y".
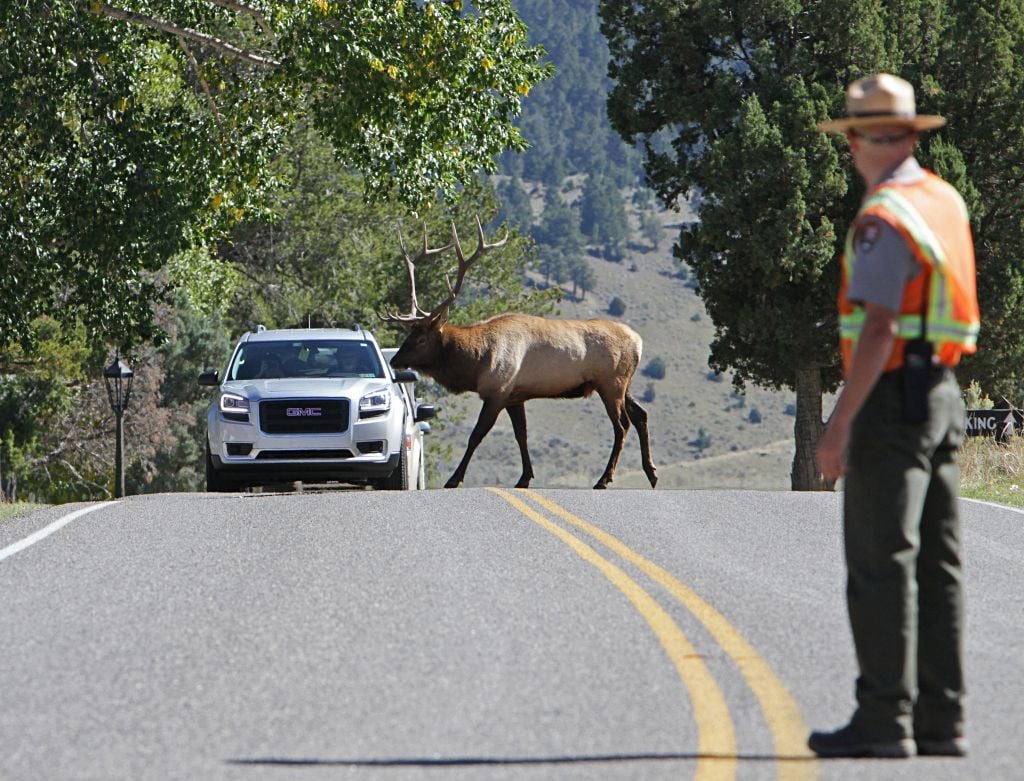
{"x": 215, "y": 481}
{"x": 399, "y": 479}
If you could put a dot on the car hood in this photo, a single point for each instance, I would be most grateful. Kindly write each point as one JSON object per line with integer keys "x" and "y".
{"x": 288, "y": 388}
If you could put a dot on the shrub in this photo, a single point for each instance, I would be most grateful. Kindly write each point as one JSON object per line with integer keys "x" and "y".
{"x": 655, "y": 369}
{"x": 617, "y": 307}
{"x": 702, "y": 441}
{"x": 975, "y": 399}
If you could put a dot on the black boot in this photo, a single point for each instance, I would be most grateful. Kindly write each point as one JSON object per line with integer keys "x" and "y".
{"x": 848, "y": 742}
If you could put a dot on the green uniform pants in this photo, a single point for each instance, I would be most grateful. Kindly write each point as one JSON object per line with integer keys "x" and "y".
{"x": 905, "y": 583}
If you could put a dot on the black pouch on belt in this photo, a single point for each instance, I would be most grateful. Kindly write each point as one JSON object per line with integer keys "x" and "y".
{"x": 917, "y": 374}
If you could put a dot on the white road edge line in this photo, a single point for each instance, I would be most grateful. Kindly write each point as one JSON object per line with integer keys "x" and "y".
{"x": 994, "y": 504}
{"x": 46, "y": 531}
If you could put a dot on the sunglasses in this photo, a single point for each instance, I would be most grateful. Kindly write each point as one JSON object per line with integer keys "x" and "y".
{"x": 887, "y": 139}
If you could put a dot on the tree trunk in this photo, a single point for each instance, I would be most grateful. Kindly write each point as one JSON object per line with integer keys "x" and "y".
{"x": 807, "y": 430}
{"x": 8, "y": 487}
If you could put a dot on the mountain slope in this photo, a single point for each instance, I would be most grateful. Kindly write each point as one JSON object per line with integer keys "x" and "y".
{"x": 703, "y": 434}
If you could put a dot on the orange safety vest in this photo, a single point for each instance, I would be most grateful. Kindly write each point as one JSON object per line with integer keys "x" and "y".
{"x": 932, "y": 218}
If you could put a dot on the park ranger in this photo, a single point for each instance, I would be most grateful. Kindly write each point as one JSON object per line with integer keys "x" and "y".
{"x": 908, "y": 310}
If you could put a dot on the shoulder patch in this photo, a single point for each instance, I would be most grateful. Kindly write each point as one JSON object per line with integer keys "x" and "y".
{"x": 868, "y": 233}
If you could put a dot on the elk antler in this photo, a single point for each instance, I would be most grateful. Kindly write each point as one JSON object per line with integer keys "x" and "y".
{"x": 416, "y": 314}
{"x": 440, "y": 312}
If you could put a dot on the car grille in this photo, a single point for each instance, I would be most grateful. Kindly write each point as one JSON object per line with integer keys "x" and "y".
{"x": 304, "y": 416}
{"x": 303, "y": 455}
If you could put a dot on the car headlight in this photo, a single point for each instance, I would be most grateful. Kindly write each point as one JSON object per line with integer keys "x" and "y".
{"x": 234, "y": 407}
{"x": 376, "y": 402}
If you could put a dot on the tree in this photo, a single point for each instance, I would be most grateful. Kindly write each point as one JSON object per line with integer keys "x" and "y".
{"x": 56, "y": 426}
{"x": 136, "y": 130}
{"x": 333, "y": 259}
{"x": 559, "y": 225}
{"x": 565, "y": 118}
{"x": 582, "y": 276}
{"x": 650, "y": 228}
{"x": 978, "y": 84}
{"x": 39, "y": 394}
{"x": 516, "y": 209}
{"x": 603, "y": 215}
{"x": 196, "y": 341}
{"x": 724, "y": 98}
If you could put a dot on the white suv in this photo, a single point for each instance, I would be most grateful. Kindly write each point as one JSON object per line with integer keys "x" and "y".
{"x": 315, "y": 405}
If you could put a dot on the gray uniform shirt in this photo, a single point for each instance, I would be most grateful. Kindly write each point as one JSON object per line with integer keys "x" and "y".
{"x": 884, "y": 263}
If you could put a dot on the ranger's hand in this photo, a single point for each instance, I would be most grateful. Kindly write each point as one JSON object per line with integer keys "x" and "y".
{"x": 831, "y": 451}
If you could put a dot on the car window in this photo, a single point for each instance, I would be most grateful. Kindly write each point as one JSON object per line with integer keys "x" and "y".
{"x": 306, "y": 358}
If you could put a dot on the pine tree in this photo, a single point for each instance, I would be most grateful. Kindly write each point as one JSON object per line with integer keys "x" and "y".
{"x": 559, "y": 225}
{"x": 515, "y": 210}
{"x": 603, "y": 216}
{"x": 740, "y": 87}
{"x": 582, "y": 276}
{"x": 564, "y": 118}
{"x": 651, "y": 229}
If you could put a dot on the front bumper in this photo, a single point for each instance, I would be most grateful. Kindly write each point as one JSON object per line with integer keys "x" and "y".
{"x": 367, "y": 449}
{"x": 346, "y": 471}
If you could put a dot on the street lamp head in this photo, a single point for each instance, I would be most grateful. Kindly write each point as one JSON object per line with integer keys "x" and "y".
{"x": 118, "y": 369}
{"x": 118, "y": 377}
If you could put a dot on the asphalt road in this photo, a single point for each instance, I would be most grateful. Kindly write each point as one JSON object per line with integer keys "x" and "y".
{"x": 466, "y": 634}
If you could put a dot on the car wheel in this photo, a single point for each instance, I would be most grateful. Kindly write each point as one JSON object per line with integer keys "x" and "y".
{"x": 399, "y": 479}
{"x": 215, "y": 481}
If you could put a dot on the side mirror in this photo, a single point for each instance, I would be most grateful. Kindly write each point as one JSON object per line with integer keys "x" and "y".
{"x": 424, "y": 427}
{"x": 407, "y": 375}
{"x": 210, "y": 377}
{"x": 425, "y": 412}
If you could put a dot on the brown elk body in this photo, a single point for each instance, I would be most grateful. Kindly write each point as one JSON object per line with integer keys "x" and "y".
{"x": 512, "y": 358}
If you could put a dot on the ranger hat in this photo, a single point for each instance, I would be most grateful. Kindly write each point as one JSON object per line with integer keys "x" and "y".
{"x": 881, "y": 99}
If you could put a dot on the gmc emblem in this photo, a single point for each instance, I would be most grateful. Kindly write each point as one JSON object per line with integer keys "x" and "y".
{"x": 303, "y": 412}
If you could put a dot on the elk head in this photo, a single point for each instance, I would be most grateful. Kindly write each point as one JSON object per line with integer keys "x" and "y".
{"x": 421, "y": 347}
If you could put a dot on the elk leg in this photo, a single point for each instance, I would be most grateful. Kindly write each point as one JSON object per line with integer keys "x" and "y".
{"x": 616, "y": 413}
{"x": 517, "y": 412}
{"x": 639, "y": 417}
{"x": 488, "y": 414}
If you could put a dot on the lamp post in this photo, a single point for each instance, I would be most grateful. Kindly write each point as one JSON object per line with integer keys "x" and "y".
{"x": 118, "y": 378}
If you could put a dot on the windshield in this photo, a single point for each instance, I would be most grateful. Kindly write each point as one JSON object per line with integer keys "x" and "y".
{"x": 305, "y": 358}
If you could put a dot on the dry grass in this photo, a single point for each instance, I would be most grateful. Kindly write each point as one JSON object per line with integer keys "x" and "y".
{"x": 9, "y": 509}
{"x": 993, "y": 471}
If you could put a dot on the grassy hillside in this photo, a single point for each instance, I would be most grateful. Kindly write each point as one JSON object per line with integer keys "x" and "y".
{"x": 747, "y": 440}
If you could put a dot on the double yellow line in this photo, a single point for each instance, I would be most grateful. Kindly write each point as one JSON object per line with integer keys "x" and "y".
{"x": 716, "y": 740}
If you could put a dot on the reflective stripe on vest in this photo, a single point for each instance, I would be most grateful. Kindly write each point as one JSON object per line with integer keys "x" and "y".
{"x": 942, "y": 325}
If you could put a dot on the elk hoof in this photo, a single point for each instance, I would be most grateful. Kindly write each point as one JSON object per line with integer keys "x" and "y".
{"x": 600, "y": 484}
{"x": 453, "y": 483}
{"x": 524, "y": 482}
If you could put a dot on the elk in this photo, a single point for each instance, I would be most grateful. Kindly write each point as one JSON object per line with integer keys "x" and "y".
{"x": 514, "y": 357}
